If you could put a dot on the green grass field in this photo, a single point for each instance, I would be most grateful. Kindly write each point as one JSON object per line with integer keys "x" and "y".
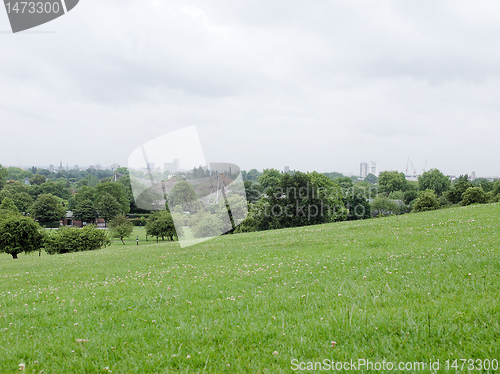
{"x": 410, "y": 288}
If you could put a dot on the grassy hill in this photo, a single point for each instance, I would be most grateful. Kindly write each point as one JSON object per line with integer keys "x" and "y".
{"x": 410, "y": 288}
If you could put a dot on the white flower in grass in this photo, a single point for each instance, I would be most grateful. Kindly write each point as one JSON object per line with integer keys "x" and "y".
{"x": 188, "y": 357}
{"x": 275, "y": 353}
{"x": 22, "y": 366}
{"x": 334, "y": 344}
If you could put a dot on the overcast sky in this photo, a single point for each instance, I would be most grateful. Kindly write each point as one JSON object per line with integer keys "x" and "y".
{"x": 314, "y": 85}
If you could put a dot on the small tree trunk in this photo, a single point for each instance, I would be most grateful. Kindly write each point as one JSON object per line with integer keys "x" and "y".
{"x": 122, "y": 240}
{"x": 14, "y": 256}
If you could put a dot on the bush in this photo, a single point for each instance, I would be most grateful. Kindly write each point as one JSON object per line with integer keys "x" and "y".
{"x": 72, "y": 239}
{"x": 426, "y": 200}
{"x": 473, "y": 195}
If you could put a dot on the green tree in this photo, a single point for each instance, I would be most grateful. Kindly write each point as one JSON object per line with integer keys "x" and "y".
{"x": 434, "y": 180}
{"x": 269, "y": 178}
{"x": 252, "y": 190}
{"x": 3, "y": 176}
{"x": 385, "y": 206}
{"x": 496, "y": 188}
{"x": 38, "y": 179}
{"x": 390, "y": 181}
{"x": 183, "y": 194}
{"x": 85, "y": 211}
{"x": 18, "y": 174}
{"x": 20, "y": 234}
{"x": 410, "y": 196}
{"x": 8, "y": 204}
{"x": 161, "y": 224}
{"x": 108, "y": 207}
{"x": 117, "y": 191}
{"x": 371, "y": 178}
{"x": 47, "y": 208}
{"x": 473, "y": 195}
{"x": 426, "y": 200}
{"x": 454, "y": 194}
{"x": 121, "y": 227}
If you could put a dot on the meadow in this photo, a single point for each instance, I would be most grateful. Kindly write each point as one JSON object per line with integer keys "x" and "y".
{"x": 412, "y": 288}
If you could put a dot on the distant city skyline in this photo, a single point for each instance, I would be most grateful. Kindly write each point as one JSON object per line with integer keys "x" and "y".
{"x": 370, "y": 166}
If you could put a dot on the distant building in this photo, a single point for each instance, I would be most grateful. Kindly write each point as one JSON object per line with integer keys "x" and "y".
{"x": 114, "y": 166}
{"x": 287, "y": 169}
{"x": 472, "y": 175}
{"x": 151, "y": 165}
{"x": 168, "y": 166}
{"x": 363, "y": 170}
{"x": 76, "y": 167}
{"x": 51, "y": 168}
{"x": 373, "y": 169}
{"x": 177, "y": 165}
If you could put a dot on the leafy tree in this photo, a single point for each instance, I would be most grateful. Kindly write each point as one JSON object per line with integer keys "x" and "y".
{"x": 18, "y": 174}
{"x": 47, "y": 208}
{"x": 38, "y": 179}
{"x": 3, "y": 176}
{"x": 183, "y": 194}
{"x": 121, "y": 227}
{"x": 161, "y": 224}
{"x": 484, "y": 183}
{"x": 58, "y": 188}
{"x": 117, "y": 191}
{"x": 390, "y": 181}
{"x": 20, "y": 234}
{"x": 426, "y": 200}
{"x": 253, "y": 175}
{"x": 496, "y": 188}
{"x": 409, "y": 196}
{"x": 385, "y": 206}
{"x": 85, "y": 211}
{"x": 252, "y": 190}
{"x": 72, "y": 239}
{"x": 371, "y": 178}
{"x": 269, "y": 178}
{"x": 434, "y": 180}
{"x": 473, "y": 195}
{"x": 357, "y": 203}
{"x": 8, "y": 204}
{"x": 454, "y": 194}
{"x": 108, "y": 207}
{"x": 296, "y": 202}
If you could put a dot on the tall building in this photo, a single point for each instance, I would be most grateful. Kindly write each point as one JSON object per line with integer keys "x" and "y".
{"x": 177, "y": 165}
{"x": 168, "y": 166}
{"x": 363, "y": 169}
{"x": 373, "y": 168}
{"x": 287, "y": 169}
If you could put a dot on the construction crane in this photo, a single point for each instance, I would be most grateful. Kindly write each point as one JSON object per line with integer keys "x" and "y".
{"x": 414, "y": 170}
{"x": 407, "y": 162}
{"x": 423, "y": 170}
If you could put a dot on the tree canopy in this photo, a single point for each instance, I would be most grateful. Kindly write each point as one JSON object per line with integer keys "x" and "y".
{"x": 390, "y": 181}
{"x": 19, "y": 234}
{"x": 434, "y": 180}
{"x": 47, "y": 208}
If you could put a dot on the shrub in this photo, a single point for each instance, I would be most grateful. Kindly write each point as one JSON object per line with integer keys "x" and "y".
{"x": 72, "y": 239}
{"x": 426, "y": 200}
{"x": 473, "y": 195}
